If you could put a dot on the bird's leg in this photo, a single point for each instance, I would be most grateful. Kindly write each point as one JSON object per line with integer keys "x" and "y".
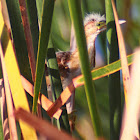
{"x": 69, "y": 103}
{"x": 70, "y": 110}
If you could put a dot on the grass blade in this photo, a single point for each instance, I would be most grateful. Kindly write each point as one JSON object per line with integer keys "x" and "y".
{"x": 104, "y": 71}
{"x": 18, "y": 37}
{"x": 2, "y": 108}
{"x": 1, "y": 94}
{"x": 28, "y": 37}
{"x": 76, "y": 16}
{"x": 33, "y": 20}
{"x": 48, "y": 6}
{"x": 10, "y": 108}
{"x": 39, "y": 5}
{"x": 34, "y": 26}
{"x": 132, "y": 110}
{"x": 42, "y": 126}
{"x": 18, "y": 92}
{"x": 124, "y": 63}
{"x": 114, "y": 79}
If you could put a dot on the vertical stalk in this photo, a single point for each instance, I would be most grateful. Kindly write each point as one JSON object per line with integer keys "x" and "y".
{"x": 114, "y": 79}
{"x": 48, "y": 6}
{"x": 76, "y": 16}
{"x": 17, "y": 33}
{"x": 33, "y": 20}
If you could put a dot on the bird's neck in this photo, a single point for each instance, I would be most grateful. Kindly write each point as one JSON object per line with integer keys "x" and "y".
{"x": 75, "y": 65}
{"x": 90, "y": 38}
{"x": 91, "y": 48}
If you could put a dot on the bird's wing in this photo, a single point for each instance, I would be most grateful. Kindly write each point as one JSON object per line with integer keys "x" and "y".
{"x": 62, "y": 59}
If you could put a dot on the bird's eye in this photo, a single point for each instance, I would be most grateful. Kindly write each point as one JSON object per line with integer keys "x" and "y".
{"x": 98, "y": 24}
{"x": 92, "y": 20}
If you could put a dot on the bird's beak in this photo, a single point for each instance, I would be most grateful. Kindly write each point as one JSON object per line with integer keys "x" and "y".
{"x": 102, "y": 25}
{"x": 122, "y": 21}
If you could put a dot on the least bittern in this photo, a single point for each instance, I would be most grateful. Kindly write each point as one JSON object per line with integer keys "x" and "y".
{"x": 68, "y": 62}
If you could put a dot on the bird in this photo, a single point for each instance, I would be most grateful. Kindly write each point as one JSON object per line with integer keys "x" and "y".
{"x": 68, "y": 61}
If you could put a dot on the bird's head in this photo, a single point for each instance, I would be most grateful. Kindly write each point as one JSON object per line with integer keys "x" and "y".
{"x": 93, "y": 24}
